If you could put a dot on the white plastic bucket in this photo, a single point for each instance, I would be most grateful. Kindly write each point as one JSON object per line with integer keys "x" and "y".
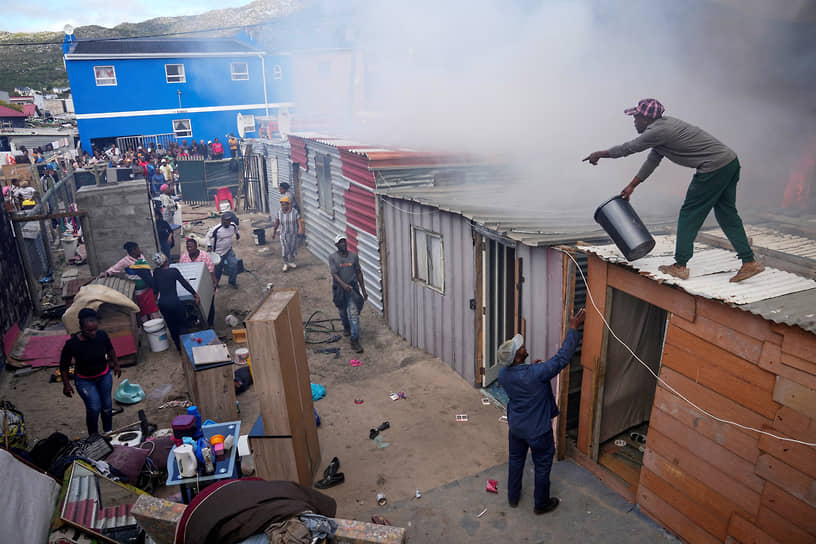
{"x": 156, "y": 334}
{"x": 69, "y": 245}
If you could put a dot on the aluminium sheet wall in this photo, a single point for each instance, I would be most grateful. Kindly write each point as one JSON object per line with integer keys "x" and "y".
{"x": 441, "y": 324}
{"x": 322, "y": 227}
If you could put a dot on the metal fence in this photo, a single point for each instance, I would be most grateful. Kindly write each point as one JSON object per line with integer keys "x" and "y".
{"x": 152, "y": 141}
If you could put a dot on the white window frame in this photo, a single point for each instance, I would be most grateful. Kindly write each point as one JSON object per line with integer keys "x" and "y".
{"x": 239, "y": 76}
{"x": 277, "y": 72}
{"x": 188, "y": 133}
{"x": 180, "y": 77}
{"x": 105, "y": 81}
{"x": 422, "y": 266}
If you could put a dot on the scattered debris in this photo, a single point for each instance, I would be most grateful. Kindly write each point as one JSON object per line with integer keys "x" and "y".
{"x": 620, "y": 442}
{"x": 353, "y": 362}
{"x": 380, "y": 443}
{"x": 485, "y": 401}
{"x": 381, "y": 499}
{"x": 418, "y": 495}
{"x": 160, "y": 392}
{"x": 482, "y": 513}
{"x": 318, "y": 391}
{"x": 461, "y": 418}
{"x": 492, "y": 486}
{"x": 503, "y": 419}
{"x": 175, "y": 404}
{"x": 379, "y": 520}
{"x": 358, "y": 401}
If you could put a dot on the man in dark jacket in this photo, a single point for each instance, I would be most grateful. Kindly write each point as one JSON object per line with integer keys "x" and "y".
{"x": 530, "y": 411}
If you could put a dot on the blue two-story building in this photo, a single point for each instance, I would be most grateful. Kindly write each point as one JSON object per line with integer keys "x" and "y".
{"x": 181, "y": 89}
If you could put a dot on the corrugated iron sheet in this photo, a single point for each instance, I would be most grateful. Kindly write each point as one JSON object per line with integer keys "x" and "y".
{"x": 778, "y": 241}
{"x": 770, "y": 294}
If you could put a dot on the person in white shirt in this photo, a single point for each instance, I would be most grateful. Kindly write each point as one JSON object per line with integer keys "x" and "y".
{"x": 219, "y": 239}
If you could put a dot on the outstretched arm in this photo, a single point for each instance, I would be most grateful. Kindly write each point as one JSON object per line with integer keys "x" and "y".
{"x": 550, "y": 368}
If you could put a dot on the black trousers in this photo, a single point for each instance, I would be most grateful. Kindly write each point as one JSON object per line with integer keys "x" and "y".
{"x": 176, "y": 318}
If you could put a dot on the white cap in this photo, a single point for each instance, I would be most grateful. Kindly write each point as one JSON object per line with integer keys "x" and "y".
{"x": 507, "y": 351}
{"x": 338, "y": 238}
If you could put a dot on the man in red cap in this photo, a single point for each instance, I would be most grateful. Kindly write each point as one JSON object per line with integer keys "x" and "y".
{"x": 714, "y": 185}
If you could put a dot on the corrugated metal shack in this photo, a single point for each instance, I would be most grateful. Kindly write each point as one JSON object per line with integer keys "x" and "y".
{"x": 468, "y": 265}
{"x": 336, "y": 180}
{"x": 743, "y": 352}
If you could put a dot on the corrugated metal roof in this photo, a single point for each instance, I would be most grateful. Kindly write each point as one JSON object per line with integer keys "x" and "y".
{"x": 776, "y": 295}
{"x": 160, "y": 45}
{"x": 382, "y": 157}
{"x": 769, "y": 238}
{"x": 524, "y": 222}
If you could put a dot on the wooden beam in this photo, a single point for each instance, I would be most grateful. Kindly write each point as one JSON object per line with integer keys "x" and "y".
{"x": 793, "y": 481}
{"x": 610, "y": 479}
{"x": 568, "y": 298}
{"x": 795, "y": 396}
{"x": 794, "y": 510}
{"x": 726, "y": 337}
{"x": 46, "y": 216}
{"x": 478, "y": 320}
{"x": 663, "y": 296}
{"x": 748, "y": 533}
{"x": 799, "y": 343}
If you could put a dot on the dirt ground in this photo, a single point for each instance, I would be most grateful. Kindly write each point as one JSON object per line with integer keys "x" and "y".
{"x": 426, "y": 447}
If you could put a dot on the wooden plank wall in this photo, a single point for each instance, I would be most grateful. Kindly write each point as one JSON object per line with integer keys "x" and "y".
{"x": 705, "y": 480}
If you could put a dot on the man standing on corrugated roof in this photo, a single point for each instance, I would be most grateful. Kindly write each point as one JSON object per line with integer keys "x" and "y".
{"x": 714, "y": 185}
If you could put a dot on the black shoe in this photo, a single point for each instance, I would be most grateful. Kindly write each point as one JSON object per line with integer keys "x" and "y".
{"x": 549, "y": 507}
{"x": 346, "y": 332}
{"x": 372, "y": 434}
{"x": 383, "y": 426}
{"x": 513, "y": 504}
{"x": 331, "y": 481}
{"x": 356, "y": 347}
{"x": 332, "y": 469}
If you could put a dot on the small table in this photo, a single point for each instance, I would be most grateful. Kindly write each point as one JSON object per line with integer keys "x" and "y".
{"x": 224, "y": 469}
{"x": 211, "y": 386}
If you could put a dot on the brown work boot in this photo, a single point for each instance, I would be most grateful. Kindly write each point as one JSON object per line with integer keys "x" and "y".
{"x": 681, "y": 272}
{"x": 747, "y": 270}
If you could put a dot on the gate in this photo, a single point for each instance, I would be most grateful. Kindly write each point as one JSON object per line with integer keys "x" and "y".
{"x": 133, "y": 142}
{"x": 253, "y": 182}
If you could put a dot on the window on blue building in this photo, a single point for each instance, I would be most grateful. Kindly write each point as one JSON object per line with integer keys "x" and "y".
{"x": 175, "y": 73}
{"x": 182, "y": 128}
{"x": 239, "y": 71}
{"x": 277, "y": 72}
{"x": 105, "y": 75}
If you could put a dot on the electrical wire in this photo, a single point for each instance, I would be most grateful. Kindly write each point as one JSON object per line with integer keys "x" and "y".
{"x": 661, "y": 380}
{"x": 315, "y": 326}
{"x": 408, "y": 212}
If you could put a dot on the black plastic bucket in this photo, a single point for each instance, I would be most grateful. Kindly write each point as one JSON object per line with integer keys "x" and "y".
{"x": 260, "y": 236}
{"x": 620, "y": 221}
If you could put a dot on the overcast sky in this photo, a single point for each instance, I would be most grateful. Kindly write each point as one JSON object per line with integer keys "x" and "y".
{"x": 55, "y": 14}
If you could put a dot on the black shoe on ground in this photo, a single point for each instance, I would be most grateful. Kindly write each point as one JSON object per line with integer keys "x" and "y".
{"x": 356, "y": 347}
{"x": 332, "y": 469}
{"x": 549, "y": 507}
{"x": 346, "y": 332}
{"x": 513, "y": 504}
{"x": 331, "y": 481}
{"x": 372, "y": 434}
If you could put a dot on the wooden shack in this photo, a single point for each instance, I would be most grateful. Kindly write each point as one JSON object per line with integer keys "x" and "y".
{"x": 745, "y": 353}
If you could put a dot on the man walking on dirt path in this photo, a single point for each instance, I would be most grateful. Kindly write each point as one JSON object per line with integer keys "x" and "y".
{"x": 348, "y": 289}
{"x": 530, "y": 411}
{"x": 219, "y": 239}
{"x": 714, "y": 185}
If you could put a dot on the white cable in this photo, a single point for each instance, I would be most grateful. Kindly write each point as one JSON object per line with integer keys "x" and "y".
{"x": 661, "y": 380}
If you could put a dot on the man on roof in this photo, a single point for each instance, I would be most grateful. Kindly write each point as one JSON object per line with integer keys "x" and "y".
{"x": 714, "y": 185}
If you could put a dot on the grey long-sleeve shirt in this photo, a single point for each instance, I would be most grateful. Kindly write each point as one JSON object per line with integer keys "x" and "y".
{"x": 681, "y": 143}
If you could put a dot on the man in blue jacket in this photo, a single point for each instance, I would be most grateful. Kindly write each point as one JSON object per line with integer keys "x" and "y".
{"x": 530, "y": 412}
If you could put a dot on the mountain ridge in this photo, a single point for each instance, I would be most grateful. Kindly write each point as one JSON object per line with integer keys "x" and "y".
{"x": 40, "y": 65}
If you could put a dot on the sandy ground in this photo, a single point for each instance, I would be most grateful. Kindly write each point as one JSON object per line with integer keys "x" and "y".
{"x": 426, "y": 448}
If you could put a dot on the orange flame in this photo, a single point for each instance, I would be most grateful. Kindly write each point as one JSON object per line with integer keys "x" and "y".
{"x": 801, "y": 180}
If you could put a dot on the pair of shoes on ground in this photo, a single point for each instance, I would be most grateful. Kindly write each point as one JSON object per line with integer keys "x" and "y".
{"x": 287, "y": 266}
{"x": 546, "y": 509}
{"x": 355, "y": 346}
{"x": 374, "y": 432}
{"x": 747, "y": 270}
{"x": 331, "y": 477}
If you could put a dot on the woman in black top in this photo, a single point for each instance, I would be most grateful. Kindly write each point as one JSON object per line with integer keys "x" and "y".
{"x": 91, "y": 349}
{"x": 164, "y": 285}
